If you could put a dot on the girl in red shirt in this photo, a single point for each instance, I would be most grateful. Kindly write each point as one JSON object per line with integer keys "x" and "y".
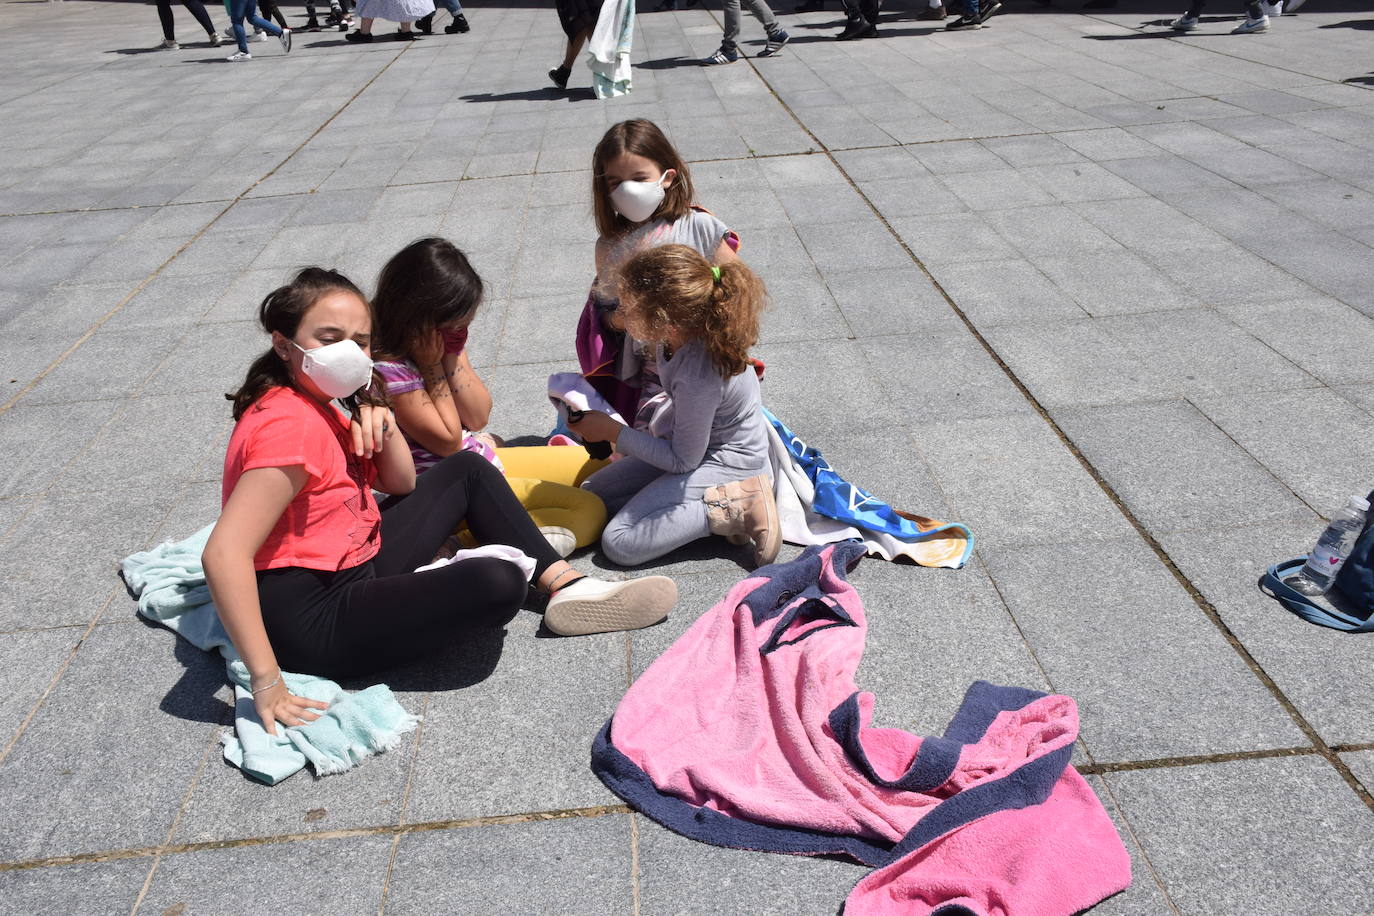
{"x": 307, "y": 570}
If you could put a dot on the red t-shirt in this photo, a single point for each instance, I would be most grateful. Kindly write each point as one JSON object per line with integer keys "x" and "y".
{"x": 333, "y": 523}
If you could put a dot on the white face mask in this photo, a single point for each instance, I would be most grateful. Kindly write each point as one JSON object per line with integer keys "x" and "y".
{"x": 637, "y": 200}
{"x": 337, "y": 369}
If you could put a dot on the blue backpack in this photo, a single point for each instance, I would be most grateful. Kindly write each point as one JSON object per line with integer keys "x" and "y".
{"x": 1349, "y": 605}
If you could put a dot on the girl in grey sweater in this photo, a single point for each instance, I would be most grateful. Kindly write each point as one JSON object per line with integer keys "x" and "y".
{"x": 702, "y": 466}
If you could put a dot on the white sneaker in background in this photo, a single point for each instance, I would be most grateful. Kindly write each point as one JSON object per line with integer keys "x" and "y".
{"x": 563, "y": 541}
{"x": 169, "y": 45}
{"x": 594, "y": 606}
{"x": 238, "y": 56}
{"x": 1252, "y": 26}
{"x": 1184, "y": 23}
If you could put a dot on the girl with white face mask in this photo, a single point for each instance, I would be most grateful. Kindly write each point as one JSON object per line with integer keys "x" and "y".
{"x": 310, "y": 574}
{"x": 642, "y": 197}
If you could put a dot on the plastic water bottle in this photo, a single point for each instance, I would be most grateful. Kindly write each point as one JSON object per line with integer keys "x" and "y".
{"x": 1332, "y": 548}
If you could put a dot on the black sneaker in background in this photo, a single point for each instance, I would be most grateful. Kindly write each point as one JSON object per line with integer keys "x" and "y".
{"x": 964, "y": 22}
{"x": 988, "y": 11}
{"x": 459, "y": 24}
{"x": 425, "y": 24}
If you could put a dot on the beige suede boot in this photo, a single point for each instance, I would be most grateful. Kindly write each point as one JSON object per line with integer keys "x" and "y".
{"x": 744, "y": 512}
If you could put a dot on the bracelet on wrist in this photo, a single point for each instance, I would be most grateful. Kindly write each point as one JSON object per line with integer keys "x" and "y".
{"x": 275, "y": 681}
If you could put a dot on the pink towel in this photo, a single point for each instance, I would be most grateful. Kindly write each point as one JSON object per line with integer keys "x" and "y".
{"x": 750, "y": 732}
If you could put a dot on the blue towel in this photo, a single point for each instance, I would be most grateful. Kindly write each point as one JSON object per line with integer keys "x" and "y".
{"x": 169, "y": 583}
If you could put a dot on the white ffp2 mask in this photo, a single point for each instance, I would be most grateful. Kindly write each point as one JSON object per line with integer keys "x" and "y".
{"x": 637, "y": 200}
{"x": 337, "y": 369}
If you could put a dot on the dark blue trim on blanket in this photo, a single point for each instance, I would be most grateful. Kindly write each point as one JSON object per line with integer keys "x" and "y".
{"x": 1024, "y": 787}
{"x": 935, "y": 762}
{"x": 811, "y": 608}
{"x": 801, "y": 576}
{"x": 707, "y": 825}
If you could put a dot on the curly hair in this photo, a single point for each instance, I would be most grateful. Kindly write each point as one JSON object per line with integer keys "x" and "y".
{"x": 674, "y": 287}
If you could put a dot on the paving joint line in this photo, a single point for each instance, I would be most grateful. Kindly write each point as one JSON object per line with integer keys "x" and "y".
{"x": 100, "y": 322}
{"x": 90, "y": 628}
{"x": 405, "y": 801}
{"x": 1199, "y": 599}
{"x": 181, "y": 809}
{"x": 143, "y": 852}
{"x": 401, "y": 829}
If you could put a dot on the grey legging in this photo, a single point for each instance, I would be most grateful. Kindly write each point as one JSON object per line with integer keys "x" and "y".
{"x": 654, "y": 512}
{"x": 761, "y": 11}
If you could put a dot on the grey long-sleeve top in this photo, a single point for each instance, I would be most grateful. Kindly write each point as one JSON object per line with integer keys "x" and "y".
{"x": 711, "y": 417}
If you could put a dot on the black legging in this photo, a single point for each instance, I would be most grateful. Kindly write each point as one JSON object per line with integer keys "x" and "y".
{"x": 381, "y": 613}
{"x": 1252, "y": 9}
{"x": 270, "y": 10}
{"x": 164, "y": 12}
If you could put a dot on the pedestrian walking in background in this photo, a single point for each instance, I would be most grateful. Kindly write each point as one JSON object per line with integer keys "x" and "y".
{"x": 729, "y": 50}
{"x": 197, "y": 8}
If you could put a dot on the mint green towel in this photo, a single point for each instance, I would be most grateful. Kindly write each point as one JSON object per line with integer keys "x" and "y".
{"x": 169, "y": 583}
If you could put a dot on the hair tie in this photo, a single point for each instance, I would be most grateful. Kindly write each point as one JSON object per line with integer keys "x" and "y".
{"x": 715, "y": 274}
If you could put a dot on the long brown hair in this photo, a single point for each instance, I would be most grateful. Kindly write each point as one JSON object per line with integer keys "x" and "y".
{"x": 426, "y": 285}
{"x": 282, "y": 310}
{"x": 642, "y": 138}
{"x": 673, "y": 286}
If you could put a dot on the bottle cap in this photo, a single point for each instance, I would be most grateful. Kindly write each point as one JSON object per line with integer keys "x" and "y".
{"x": 1359, "y": 502}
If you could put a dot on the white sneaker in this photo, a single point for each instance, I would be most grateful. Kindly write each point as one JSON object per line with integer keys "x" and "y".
{"x": 1251, "y": 26}
{"x": 259, "y": 36}
{"x": 1184, "y": 23}
{"x": 216, "y": 40}
{"x": 238, "y": 56}
{"x": 593, "y": 606}
{"x": 285, "y": 39}
{"x": 169, "y": 45}
{"x": 1272, "y": 10}
{"x": 1292, "y": 5}
{"x": 560, "y": 539}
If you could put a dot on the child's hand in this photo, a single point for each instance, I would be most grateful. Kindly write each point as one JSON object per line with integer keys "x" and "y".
{"x": 429, "y": 350}
{"x": 596, "y": 426}
{"x": 370, "y": 429}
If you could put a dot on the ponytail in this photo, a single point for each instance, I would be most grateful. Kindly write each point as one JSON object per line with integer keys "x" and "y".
{"x": 673, "y": 286}
{"x": 731, "y": 324}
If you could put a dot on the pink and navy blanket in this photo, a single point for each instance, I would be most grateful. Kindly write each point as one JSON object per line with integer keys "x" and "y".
{"x": 749, "y": 732}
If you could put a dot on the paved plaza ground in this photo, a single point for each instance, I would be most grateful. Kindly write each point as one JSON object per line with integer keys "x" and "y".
{"x": 1103, "y": 293}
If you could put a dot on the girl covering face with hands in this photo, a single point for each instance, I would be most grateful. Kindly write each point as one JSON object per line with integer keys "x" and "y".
{"x": 309, "y": 573}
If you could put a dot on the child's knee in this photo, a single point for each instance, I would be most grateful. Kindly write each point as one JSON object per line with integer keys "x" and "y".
{"x": 622, "y": 547}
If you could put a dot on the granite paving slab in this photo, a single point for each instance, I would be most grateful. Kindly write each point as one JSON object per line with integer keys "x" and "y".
{"x": 1074, "y": 364}
{"x": 1252, "y": 836}
{"x": 1011, "y": 479}
{"x": 1321, "y": 671}
{"x": 1098, "y": 639}
{"x": 566, "y": 689}
{"x": 140, "y": 746}
{"x": 318, "y": 877}
{"x": 101, "y": 887}
{"x": 1175, "y": 469}
{"x": 577, "y": 865}
{"x": 1312, "y": 439}
{"x": 675, "y": 873}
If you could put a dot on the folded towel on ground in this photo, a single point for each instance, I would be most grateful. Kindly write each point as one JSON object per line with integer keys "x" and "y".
{"x": 817, "y": 506}
{"x": 169, "y": 583}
